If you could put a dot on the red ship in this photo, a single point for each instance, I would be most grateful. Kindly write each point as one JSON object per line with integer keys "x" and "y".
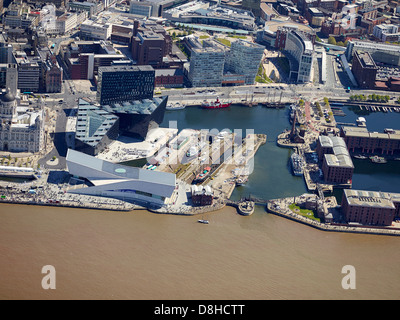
{"x": 215, "y": 104}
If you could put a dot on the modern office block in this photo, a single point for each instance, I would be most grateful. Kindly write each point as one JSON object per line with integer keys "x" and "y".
{"x": 137, "y": 118}
{"x": 244, "y": 58}
{"x": 302, "y": 50}
{"x": 207, "y": 65}
{"x": 124, "y": 83}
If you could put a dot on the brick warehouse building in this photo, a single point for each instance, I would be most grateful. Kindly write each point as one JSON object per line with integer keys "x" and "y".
{"x": 337, "y": 165}
{"x": 370, "y": 207}
{"x": 360, "y": 139}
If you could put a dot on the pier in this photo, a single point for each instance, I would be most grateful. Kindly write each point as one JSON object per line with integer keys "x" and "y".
{"x": 366, "y": 105}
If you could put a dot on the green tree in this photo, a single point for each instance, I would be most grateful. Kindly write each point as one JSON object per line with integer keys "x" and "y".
{"x": 332, "y": 40}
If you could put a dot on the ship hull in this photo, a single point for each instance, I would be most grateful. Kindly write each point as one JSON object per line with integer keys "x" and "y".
{"x": 226, "y": 105}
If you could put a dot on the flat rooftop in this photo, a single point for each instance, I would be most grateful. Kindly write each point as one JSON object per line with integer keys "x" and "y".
{"x": 372, "y": 199}
{"x": 366, "y": 60}
{"x": 127, "y": 68}
{"x": 340, "y": 156}
{"x": 363, "y": 132}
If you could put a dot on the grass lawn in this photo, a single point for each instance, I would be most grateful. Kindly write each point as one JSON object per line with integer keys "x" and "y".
{"x": 304, "y": 212}
{"x": 224, "y": 41}
{"x": 204, "y": 37}
{"x": 238, "y": 37}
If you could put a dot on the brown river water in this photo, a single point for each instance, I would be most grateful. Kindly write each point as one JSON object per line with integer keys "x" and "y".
{"x": 142, "y": 255}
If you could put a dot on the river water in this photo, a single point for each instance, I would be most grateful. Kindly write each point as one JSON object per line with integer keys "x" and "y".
{"x": 142, "y": 255}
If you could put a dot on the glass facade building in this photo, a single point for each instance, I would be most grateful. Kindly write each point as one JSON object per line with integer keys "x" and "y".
{"x": 124, "y": 83}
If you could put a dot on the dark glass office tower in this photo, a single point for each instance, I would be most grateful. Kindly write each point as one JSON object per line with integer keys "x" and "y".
{"x": 122, "y": 83}
{"x": 136, "y": 118}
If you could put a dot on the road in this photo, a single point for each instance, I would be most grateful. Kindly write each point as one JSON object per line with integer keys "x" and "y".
{"x": 70, "y": 101}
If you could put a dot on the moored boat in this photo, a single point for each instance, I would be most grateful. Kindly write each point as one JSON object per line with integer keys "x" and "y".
{"x": 241, "y": 181}
{"x": 297, "y": 164}
{"x": 359, "y": 156}
{"x": 175, "y": 106}
{"x": 377, "y": 159}
{"x": 215, "y": 104}
{"x": 202, "y": 175}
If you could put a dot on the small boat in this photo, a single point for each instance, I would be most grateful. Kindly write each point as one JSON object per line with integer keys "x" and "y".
{"x": 176, "y": 106}
{"x": 361, "y": 122}
{"x": 203, "y": 221}
{"x": 376, "y": 159}
{"x": 359, "y": 156}
{"x": 241, "y": 181}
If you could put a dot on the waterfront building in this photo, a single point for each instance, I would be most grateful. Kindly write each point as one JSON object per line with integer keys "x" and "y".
{"x": 369, "y": 207}
{"x": 21, "y": 126}
{"x": 137, "y": 118}
{"x": 301, "y": 54}
{"x": 207, "y": 65}
{"x": 124, "y": 83}
{"x": 364, "y": 70}
{"x": 95, "y": 128}
{"x": 244, "y": 58}
{"x": 202, "y": 195}
{"x": 144, "y": 187}
{"x": 359, "y": 139}
{"x": 337, "y": 165}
